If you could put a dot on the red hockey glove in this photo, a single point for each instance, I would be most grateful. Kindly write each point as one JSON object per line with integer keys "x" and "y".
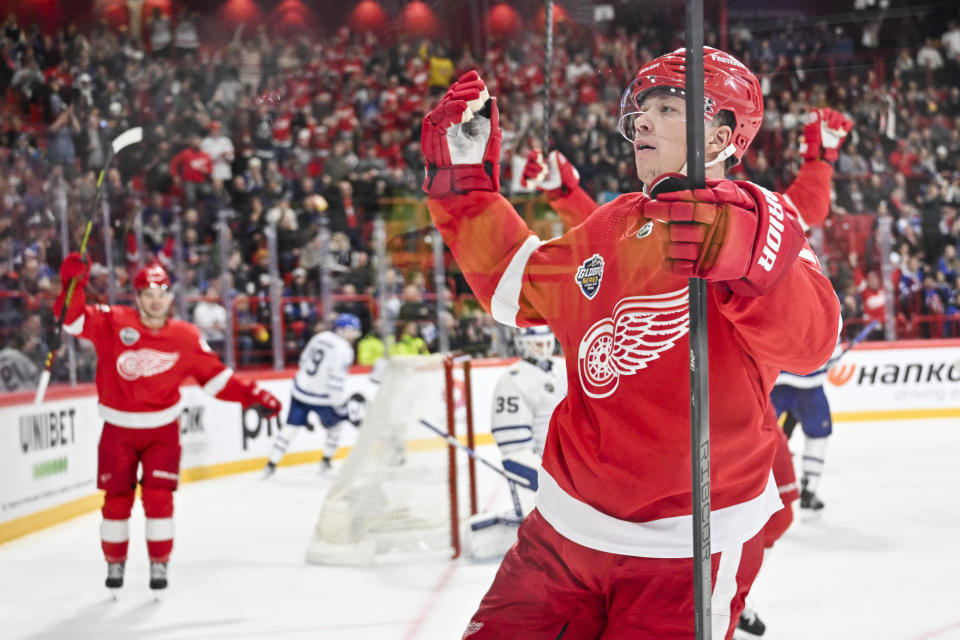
{"x": 75, "y": 266}
{"x": 823, "y": 134}
{"x": 731, "y": 232}
{"x": 460, "y": 140}
{"x": 264, "y": 403}
{"x": 554, "y": 173}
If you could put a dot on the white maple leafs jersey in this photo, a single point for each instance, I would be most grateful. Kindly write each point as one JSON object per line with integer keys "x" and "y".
{"x": 523, "y": 401}
{"x": 321, "y": 379}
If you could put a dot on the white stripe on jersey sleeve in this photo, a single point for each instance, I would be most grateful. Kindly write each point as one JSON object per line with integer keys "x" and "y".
{"x": 216, "y": 384}
{"x": 505, "y": 302}
{"x": 75, "y": 328}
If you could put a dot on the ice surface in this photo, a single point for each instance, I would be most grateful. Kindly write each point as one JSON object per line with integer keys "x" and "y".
{"x": 881, "y": 563}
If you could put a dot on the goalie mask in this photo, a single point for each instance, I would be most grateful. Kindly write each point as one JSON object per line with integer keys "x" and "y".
{"x": 535, "y": 343}
{"x": 727, "y": 86}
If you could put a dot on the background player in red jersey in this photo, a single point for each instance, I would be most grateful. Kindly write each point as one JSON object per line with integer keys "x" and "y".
{"x": 143, "y": 356}
{"x": 606, "y": 552}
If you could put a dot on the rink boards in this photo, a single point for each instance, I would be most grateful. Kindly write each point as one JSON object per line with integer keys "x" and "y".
{"x": 48, "y": 451}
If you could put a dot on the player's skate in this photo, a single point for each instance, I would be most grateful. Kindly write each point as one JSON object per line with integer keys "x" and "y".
{"x": 158, "y": 577}
{"x": 750, "y": 626}
{"x": 269, "y": 470}
{"x": 115, "y": 577}
{"x": 809, "y": 502}
{"x": 326, "y": 466}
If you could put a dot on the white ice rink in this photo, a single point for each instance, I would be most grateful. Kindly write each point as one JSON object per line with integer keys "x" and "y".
{"x": 882, "y": 563}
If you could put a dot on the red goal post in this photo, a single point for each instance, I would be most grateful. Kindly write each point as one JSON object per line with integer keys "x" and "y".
{"x": 403, "y": 492}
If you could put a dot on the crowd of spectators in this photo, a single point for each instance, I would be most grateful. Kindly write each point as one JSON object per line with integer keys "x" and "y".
{"x": 300, "y": 131}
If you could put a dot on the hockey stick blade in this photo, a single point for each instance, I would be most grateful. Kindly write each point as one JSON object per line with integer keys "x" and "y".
{"x": 42, "y": 386}
{"x": 127, "y": 138}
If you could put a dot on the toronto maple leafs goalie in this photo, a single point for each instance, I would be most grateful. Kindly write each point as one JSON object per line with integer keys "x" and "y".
{"x": 523, "y": 401}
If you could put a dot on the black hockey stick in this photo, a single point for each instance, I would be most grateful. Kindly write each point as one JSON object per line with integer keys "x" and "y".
{"x": 122, "y": 141}
{"x": 547, "y": 68}
{"x": 699, "y": 362}
{"x": 476, "y": 456}
{"x": 850, "y": 345}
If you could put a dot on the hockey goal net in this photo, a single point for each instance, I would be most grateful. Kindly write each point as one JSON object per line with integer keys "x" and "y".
{"x": 403, "y": 491}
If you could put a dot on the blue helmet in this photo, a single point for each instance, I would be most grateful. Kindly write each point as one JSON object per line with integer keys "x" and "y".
{"x": 347, "y": 321}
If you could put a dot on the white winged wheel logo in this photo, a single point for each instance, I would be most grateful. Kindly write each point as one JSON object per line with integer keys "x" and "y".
{"x": 143, "y": 363}
{"x": 642, "y": 327}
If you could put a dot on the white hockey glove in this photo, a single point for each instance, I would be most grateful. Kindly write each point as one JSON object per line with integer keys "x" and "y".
{"x": 460, "y": 140}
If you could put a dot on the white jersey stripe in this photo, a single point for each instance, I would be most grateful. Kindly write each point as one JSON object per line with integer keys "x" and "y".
{"x": 724, "y": 591}
{"x": 139, "y": 419}
{"x": 505, "y": 302}
{"x": 664, "y": 538}
{"x": 216, "y": 384}
{"x": 75, "y": 328}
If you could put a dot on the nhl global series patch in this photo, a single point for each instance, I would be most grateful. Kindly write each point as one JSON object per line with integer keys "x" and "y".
{"x": 589, "y": 275}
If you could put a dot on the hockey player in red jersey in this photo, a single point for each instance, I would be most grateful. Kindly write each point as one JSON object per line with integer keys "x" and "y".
{"x": 143, "y": 356}
{"x": 809, "y": 193}
{"x": 607, "y": 549}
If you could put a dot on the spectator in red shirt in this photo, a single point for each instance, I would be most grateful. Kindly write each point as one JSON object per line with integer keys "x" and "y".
{"x": 191, "y": 169}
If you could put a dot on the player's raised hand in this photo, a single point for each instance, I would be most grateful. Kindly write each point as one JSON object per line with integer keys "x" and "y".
{"x": 264, "y": 403}
{"x": 732, "y": 232}
{"x": 554, "y": 172}
{"x": 460, "y": 140}
{"x": 75, "y": 266}
{"x": 823, "y": 134}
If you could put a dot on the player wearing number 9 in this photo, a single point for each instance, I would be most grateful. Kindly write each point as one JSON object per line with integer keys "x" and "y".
{"x": 320, "y": 387}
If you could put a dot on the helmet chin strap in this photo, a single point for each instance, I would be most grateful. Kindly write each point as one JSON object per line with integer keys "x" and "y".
{"x": 723, "y": 155}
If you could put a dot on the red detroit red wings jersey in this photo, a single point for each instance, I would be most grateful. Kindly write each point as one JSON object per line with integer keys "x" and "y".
{"x": 618, "y": 448}
{"x": 140, "y": 370}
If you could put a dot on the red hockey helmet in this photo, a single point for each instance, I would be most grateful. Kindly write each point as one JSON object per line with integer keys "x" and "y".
{"x": 152, "y": 275}
{"x": 727, "y": 86}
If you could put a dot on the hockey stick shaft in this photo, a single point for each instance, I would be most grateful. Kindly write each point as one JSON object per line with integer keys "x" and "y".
{"x": 858, "y": 338}
{"x": 547, "y": 72}
{"x": 476, "y": 456}
{"x": 470, "y": 452}
{"x": 125, "y": 139}
{"x": 699, "y": 361}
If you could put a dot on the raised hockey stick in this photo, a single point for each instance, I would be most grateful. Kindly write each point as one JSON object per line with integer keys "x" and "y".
{"x": 122, "y": 141}
{"x": 699, "y": 362}
{"x": 547, "y": 68}
{"x": 476, "y": 456}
